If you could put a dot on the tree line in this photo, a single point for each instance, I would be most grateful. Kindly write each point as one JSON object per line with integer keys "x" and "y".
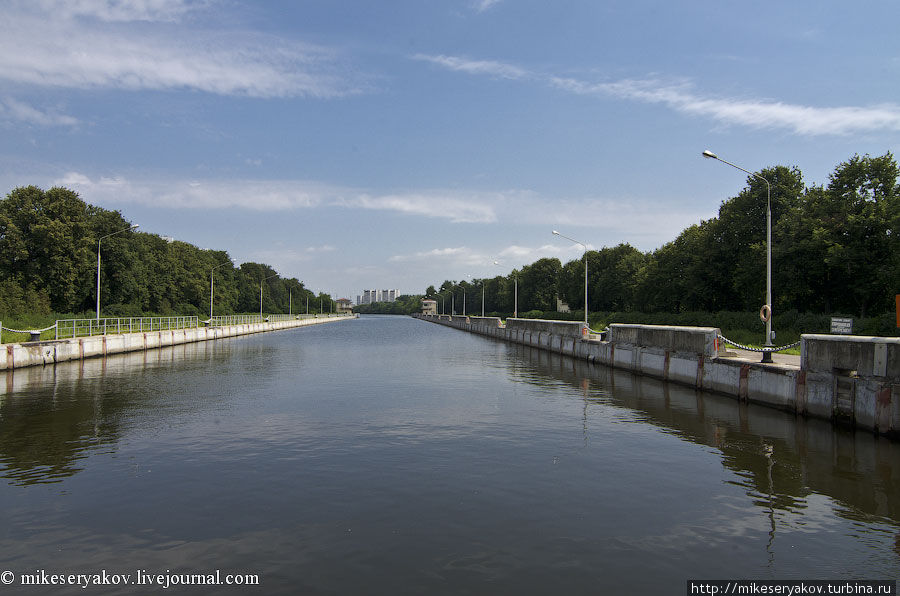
{"x": 835, "y": 249}
{"x": 48, "y": 264}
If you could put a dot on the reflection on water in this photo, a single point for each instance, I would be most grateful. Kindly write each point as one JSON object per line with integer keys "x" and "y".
{"x": 392, "y": 455}
{"x": 784, "y": 464}
{"x": 53, "y": 416}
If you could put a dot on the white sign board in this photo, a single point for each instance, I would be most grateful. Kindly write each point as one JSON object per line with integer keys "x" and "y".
{"x": 842, "y": 326}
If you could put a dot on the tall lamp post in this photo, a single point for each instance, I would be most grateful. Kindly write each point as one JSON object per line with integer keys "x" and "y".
{"x": 482, "y": 298}
{"x": 211, "y": 285}
{"x": 464, "y": 297}
{"x": 767, "y": 356}
{"x": 498, "y": 285}
{"x": 134, "y": 227}
{"x": 584, "y": 246}
{"x": 516, "y": 297}
{"x": 260, "y": 292}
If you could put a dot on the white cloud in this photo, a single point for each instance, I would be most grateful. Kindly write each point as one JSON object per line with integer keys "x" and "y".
{"x": 117, "y": 10}
{"x": 466, "y": 209}
{"x": 515, "y": 255}
{"x": 259, "y": 195}
{"x": 76, "y": 54}
{"x": 277, "y": 195}
{"x": 679, "y": 96}
{"x": 596, "y": 221}
{"x": 804, "y": 120}
{"x": 479, "y": 67}
{"x": 320, "y": 249}
{"x": 474, "y": 263}
{"x": 483, "y": 5}
{"x": 11, "y": 109}
{"x": 465, "y": 261}
{"x": 454, "y": 253}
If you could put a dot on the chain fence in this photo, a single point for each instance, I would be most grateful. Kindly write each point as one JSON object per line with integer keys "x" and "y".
{"x": 752, "y": 349}
{"x": 34, "y": 334}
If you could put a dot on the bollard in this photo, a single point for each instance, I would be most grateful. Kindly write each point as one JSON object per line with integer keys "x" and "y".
{"x": 35, "y": 335}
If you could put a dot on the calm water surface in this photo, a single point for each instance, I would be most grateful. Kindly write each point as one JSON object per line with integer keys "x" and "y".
{"x": 388, "y": 455}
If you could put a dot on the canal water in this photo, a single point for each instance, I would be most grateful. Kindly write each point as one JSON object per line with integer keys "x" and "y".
{"x": 388, "y": 455}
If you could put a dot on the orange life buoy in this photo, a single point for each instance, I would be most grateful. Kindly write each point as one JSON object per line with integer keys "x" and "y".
{"x": 765, "y": 313}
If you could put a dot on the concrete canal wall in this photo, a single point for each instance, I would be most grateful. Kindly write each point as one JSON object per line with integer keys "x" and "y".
{"x": 847, "y": 379}
{"x": 49, "y": 352}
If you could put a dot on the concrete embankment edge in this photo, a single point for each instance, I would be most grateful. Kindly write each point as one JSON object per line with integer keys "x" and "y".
{"x": 50, "y": 352}
{"x": 850, "y": 380}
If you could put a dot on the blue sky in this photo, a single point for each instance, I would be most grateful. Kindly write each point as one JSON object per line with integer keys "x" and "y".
{"x": 395, "y": 144}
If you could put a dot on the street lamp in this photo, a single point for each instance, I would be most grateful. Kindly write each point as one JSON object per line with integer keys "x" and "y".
{"x": 584, "y": 246}
{"x": 482, "y": 298}
{"x": 516, "y": 296}
{"x": 134, "y": 227}
{"x": 211, "y": 285}
{"x": 260, "y": 292}
{"x": 767, "y": 356}
{"x": 464, "y": 294}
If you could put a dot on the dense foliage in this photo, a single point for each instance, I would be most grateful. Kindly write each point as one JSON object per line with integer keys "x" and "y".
{"x": 48, "y": 263}
{"x": 835, "y": 250}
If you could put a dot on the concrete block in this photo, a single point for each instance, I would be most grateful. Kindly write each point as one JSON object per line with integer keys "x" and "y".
{"x": 867, "y": 355}
{"x": 567, "y": 328}
{"x": 691, "y": 340}
{"x": 623, "y": 357}
{"x": 772, "y": 387}
{"x": 653, "y": 363}
{"x": 683, "y": 369}
{"x": 722, "y": 377}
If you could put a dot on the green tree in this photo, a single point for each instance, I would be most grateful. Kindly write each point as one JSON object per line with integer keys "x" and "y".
{"x": 46, "y": 243}
{"x": 539, "y": 285}
{"x": 862, "y": 202}
{"x": 740, "y": 244}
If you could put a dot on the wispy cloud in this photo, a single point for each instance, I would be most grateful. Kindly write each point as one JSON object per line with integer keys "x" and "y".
{"x": 92, "y": 53}
{"x": 805, "y": 120}
{"x": 481, "y": 264}
{"x": 12, "y": 109}
{"x": 516, "y": 255}
{"x": 467, "y": 209}
{"x": 117, "y": 10}
{"x": 477, "y": 67}
{"x": 320, "y": 249}
{"x": 597, "y": 221}
{"x": 681, "y": 97}
{"x": 258, "y": 195}
{"x": 483, "y": 5}
{"x": 455, "y": 253}
{"x": 278, "y": 195}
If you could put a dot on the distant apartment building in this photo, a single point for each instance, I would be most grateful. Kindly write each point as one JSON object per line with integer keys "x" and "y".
{"x": 370, "y": 296}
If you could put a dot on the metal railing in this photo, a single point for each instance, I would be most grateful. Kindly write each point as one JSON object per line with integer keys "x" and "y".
{"x": 224, "y": 321}
{"x": 69, "y": 328}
